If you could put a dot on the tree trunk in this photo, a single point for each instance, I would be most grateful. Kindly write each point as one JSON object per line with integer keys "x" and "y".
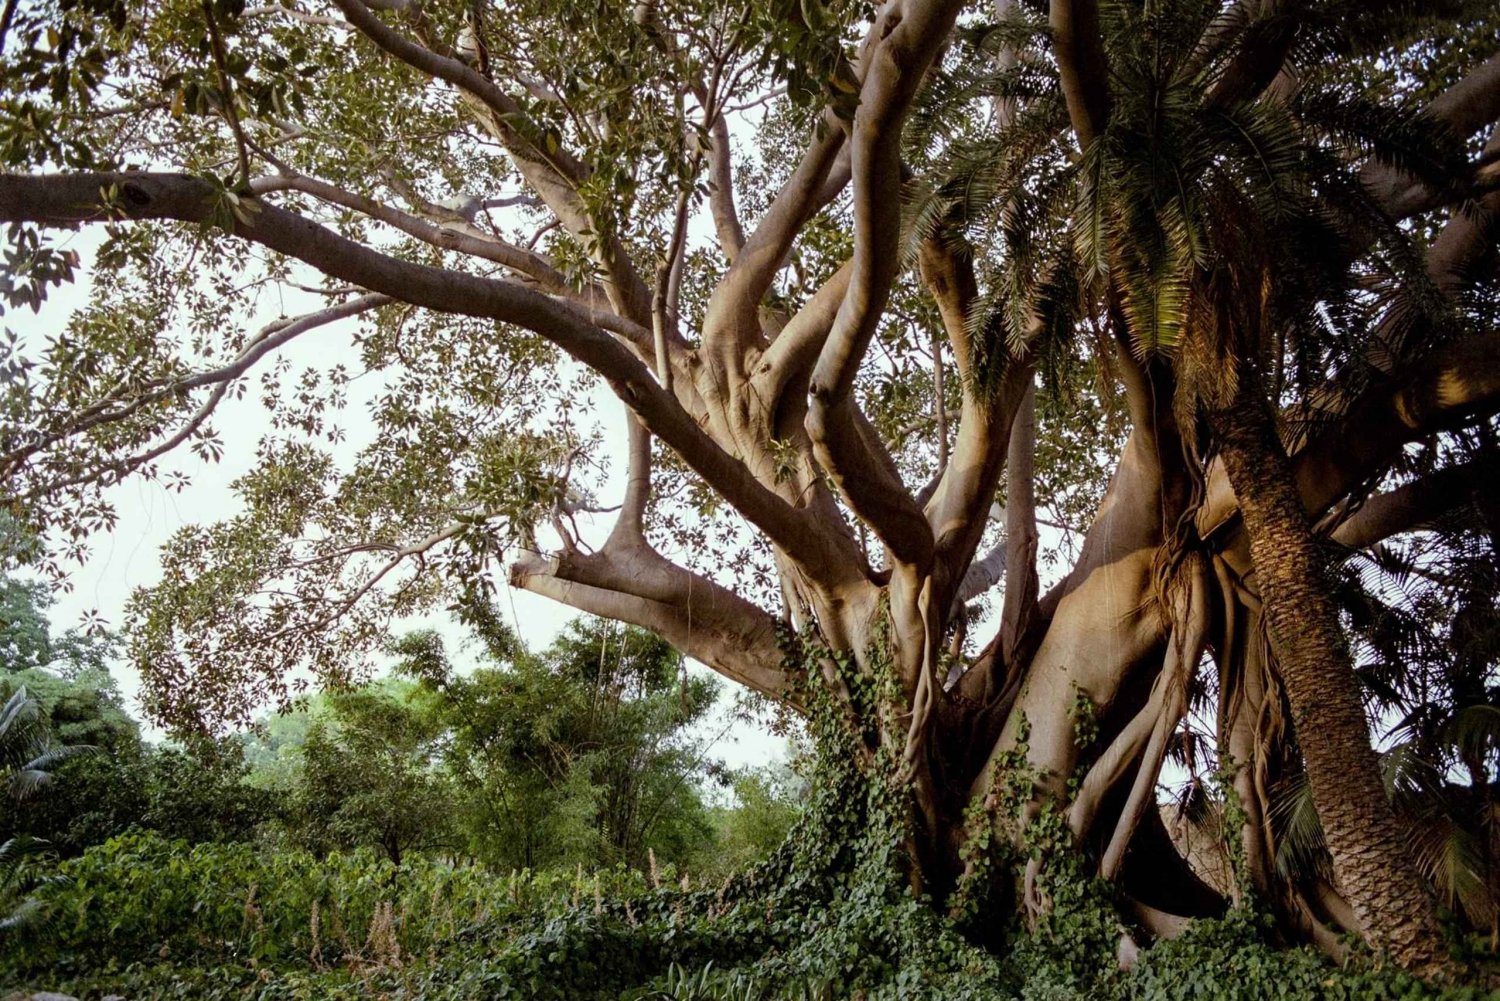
{"x": 1366, "y": 841}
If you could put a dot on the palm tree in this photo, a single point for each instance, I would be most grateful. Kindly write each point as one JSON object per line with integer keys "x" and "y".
{"x": 1202, "y": 224}
{"x": 27, "y": 760}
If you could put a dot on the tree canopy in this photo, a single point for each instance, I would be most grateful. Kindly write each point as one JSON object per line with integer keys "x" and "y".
{"x": 583, "y": 754}
{"x": 589, "y": 754}
{"x": 1183, "y": 307}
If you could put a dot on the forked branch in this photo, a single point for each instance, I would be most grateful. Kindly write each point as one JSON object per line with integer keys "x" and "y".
{"x": 66, "y": 200}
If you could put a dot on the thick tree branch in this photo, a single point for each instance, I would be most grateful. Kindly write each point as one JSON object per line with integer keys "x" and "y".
{"x": 956, "y": 510}
{"x": 552, "y": 172}
{"x": 1264, "y": 43}
{"x": 1465, "y": 241}
{"x": 939, "y": 406}
{"x": 467, "y": 240}
{"x": 1113, "y": 764}
{"x": 66, "y": 200}
{"x": 1452, "y": 387}
{"x": 1185, "y": 647}
{"x": 984, "y": 572}
{"x": 787, "y": 364}
{"x": 909, "y": 35}
{"x": 946, "y": 266}
{"x": 1471, "y": 103}
{"x": 636, "y": 584}
{"x": 526, "y": 263}
{"x": 1101, "y": 626}
{"x": 664, "y": 330}
{"x": 1081, "y": 65}
{"x": 1464, "y": 108}
{"x": 731, "y": 323}
{"x": 721, "y": 193}
{"x": 1022, "y": 585}
{"x": 631, "y": 524}
{"x": 1414, "y": 505}
{"x": 966, "y": 487}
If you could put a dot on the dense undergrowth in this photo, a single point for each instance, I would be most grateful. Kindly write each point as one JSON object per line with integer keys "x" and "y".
{"x": 829, "y": 915}
{"x": 148, "y": 918}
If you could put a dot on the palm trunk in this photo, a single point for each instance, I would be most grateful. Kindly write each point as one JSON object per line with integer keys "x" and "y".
{"x": 1366, "y": 841}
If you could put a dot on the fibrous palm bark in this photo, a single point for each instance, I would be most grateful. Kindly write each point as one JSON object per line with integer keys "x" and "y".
{"x": 1368, "y": 845}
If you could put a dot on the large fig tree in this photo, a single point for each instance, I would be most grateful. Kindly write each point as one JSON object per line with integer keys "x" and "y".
{"x": 1184, "y": 309}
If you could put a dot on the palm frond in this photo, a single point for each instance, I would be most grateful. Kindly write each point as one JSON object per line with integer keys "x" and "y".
{"x": 1401, "y": 136}
{"x": 1091, "y": 226}
{"x": 1474, "y": 730}
{"x": 1300, "y": 848}
{"x": 1406, "y": 771}
{"x": 1452, "y": 858}
{"x": 13, "y": 851}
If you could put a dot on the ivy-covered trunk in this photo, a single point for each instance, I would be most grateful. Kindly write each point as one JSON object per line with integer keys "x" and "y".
{"x": 952, "y": 274}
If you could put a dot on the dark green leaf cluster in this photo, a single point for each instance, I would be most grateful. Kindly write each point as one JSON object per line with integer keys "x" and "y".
{"x": 830, "y": 915}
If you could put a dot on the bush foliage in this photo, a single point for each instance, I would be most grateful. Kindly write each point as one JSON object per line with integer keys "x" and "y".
{"x": 830, "y": 914}
{"x": 273, "y": 876}
{"x": 153, "y": 918}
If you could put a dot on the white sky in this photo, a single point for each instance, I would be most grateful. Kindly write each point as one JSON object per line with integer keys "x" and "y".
{"x": 149, "y": 514}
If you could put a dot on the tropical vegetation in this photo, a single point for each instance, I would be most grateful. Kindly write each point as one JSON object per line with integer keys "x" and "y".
{"x": 1077, "y": 416}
